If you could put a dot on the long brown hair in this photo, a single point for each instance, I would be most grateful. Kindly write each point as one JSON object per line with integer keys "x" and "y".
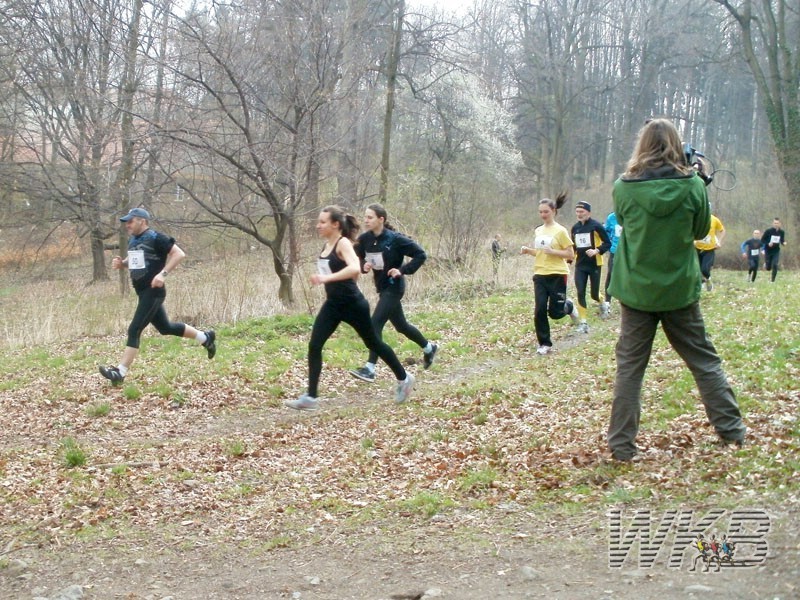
{"x": 658, "y": 145}
{"x": 348, "y": 224}
{"x": 381, "y": 213}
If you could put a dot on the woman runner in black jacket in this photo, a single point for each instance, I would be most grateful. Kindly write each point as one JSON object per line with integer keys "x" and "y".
{"x": 382, "y": 250}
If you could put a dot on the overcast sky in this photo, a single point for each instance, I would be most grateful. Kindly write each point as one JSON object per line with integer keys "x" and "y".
{"x": 447, "y": 6}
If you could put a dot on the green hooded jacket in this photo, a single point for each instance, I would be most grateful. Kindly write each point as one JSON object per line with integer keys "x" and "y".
{"x": 656, "y": 267}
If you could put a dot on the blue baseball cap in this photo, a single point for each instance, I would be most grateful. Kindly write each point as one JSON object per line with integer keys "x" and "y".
{"x": 135, "y": 212}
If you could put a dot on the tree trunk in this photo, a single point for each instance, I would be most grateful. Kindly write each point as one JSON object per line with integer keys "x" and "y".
{"x": 125, "y": 175}
{"x": 391, "y": 86}
{"x": 777, "y": 82}
{"x": 99, "y": 271}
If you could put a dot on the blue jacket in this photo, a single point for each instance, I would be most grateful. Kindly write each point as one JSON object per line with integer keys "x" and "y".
{"x": 611, "y": 229}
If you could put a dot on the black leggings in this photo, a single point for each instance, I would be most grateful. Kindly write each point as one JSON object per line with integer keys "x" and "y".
{"x": 609, "y": 268}
{"x": 550, "y": 298}
{"x": 150, "y": 309}
{"x": 771, "y": 263}
{"x": 389, "y": 308}
{"x": 706, "y": 258}
{"x": 355, "y": 314}
{"x": 752, "y": 270}
{"x": 581, "y": 277}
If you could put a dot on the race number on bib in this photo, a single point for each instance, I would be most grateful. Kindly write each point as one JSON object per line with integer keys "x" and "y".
{"x": 375, "y": 259}
{"x": 754, "y": 252}
{"x": 583, "y": 240}
{"x": 324, "y": 266}
{"x": 775, "y": 239}
{"x": 136, "y": 260}
{"x": 543, "y": 241}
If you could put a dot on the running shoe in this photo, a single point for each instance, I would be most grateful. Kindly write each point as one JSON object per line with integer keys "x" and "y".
{"x": 364, "y": 374}
{"x": 210, "y": 344}
{"x": 544, "y": 349}
{"x": 604, "y": 310}
{"x": 304, "y": 402}
{"x": 429, "y": 357}
{"x": 573, "y": 314}
{"x": 112, "y": 374}
{"x": 403, "y": 390}
{"x": 709, "y": 286}
{"x": 583, "y": 327}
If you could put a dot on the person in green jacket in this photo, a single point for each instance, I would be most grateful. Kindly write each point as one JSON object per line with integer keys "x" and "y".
{"x": 661, "y": 203}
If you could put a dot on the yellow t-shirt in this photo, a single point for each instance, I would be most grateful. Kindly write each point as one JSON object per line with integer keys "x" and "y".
{"x": 710, "y": 241}
{"x": 553, "y": 236}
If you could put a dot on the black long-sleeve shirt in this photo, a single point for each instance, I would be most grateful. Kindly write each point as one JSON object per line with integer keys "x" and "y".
{"x": 590, "y": 234}
{"x": 766, "y": 239}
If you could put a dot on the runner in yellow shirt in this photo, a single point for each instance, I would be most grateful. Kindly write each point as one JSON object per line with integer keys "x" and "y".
{"x": 706, "y": 248}
{"x": 552, "y": 247}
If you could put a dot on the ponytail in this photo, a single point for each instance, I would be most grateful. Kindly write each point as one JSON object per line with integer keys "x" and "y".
{"x": 348, "y": 224}
{"x": 557, "y": 203}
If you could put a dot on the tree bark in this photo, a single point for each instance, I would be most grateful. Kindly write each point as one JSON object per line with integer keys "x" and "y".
{"x": 391, "y": 86}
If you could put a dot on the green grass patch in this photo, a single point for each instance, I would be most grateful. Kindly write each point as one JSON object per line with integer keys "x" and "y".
{"x": 235, "y": 448}
{"x": 426, "y": 503}
{"x": 100, "y": 409}
{"x": 72, "y": 455}
{"x": 131, "y": 392}
{"x": 477, "y": 479}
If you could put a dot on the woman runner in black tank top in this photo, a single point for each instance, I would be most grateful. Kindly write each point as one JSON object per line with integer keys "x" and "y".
{"x": 337, "y": 269}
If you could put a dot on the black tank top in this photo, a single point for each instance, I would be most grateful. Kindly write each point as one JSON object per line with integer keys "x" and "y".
{"x": 346, "y": 290}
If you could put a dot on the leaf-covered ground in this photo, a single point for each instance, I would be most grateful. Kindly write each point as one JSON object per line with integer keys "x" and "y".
{"x": 500, "y": 449}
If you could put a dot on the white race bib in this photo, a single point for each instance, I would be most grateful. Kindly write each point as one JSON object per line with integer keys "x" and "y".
{"x": 754, "y": 252}
{"x": 375, "y": 259}
{"x": 706, "y": 240}
{"x": 617, "y": 230}
{"x": 583, "y": 240}
{"x": 136, "y": 260}
{"x": 543, "y": 241}
{"x": 324, "y": 266}
{"x": 775, "y": 239}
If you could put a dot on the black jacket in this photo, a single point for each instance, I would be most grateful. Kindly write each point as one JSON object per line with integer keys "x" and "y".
{"x": 393, "y": 247}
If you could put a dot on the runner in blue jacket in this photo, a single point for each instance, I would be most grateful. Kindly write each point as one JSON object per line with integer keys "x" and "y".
{"x": 613, "y": 229}
{"x": 752, "y": 250}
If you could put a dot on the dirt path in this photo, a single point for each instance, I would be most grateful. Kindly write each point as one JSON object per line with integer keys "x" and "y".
{"x": 508, "y": 560}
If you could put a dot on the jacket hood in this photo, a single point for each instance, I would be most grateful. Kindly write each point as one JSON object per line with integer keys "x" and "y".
{"x": 659, "y": 191}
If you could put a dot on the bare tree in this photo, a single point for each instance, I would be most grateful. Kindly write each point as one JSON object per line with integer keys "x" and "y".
{"x": 249, "y": 135}
{"x": 261, "y": 112}
{"x": 74, "y": 76}
{"x": 770, "y": 35}
{"x": 554, "y": 49}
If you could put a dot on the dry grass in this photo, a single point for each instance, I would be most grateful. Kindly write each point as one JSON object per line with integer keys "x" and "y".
{"x": 65, "y": 307}
{"x": 61, "y": 306}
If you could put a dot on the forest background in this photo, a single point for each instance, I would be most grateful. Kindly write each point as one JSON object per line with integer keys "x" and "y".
{"x": 233, "y": 123}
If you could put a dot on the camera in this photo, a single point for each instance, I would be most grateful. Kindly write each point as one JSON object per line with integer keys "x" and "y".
{"x": 693, "y": 158}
